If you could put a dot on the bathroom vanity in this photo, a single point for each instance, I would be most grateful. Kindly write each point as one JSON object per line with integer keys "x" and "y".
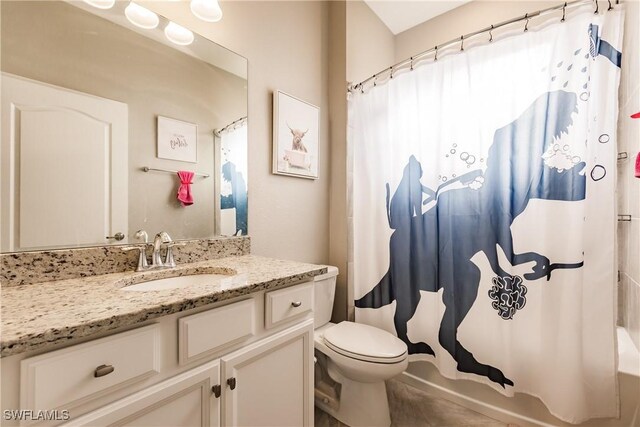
{"x": 224, "y": 338}
{"x": 237, "y": 351}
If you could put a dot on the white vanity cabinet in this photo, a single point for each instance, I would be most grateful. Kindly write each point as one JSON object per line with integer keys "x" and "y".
{"x": 267, "y": 383}
{"x": 245, "y": 362}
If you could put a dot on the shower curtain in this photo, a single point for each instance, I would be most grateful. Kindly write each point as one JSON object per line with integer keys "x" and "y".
{"x": 483, "y": 213}
{"x": 233, "y": 185}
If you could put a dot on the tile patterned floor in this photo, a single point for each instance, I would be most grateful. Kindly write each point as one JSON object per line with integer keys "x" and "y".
{"x": 411, "y": 407}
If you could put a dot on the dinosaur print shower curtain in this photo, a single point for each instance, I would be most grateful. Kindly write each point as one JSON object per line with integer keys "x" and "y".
{"x": 483, "y": 221}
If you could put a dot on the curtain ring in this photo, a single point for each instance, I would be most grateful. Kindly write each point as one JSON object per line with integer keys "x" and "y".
{"x": 361, "y": 88}
{"x": 564, "y": 11}
{"x": 391, "y": 72}
{"x": 526, "y": 24}
{"x": 461, "y": 43}
{"x": 610, "y": 5}
{"x": 436, "y": 57}
{"x": 597, "y": 8}
{"x": 411, "y": 64}
{"x": 491, "y": 34}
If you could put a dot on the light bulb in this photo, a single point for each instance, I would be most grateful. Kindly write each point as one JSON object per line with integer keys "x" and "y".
{"x": 101, "y": 4}
{"x": 141, "y": 17}
{"x": 207, "y": 10}
{"x": 177, "y": 34}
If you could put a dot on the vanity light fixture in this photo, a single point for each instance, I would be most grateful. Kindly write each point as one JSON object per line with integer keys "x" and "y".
{"x": 141, "y": 17}
{"x": 207, "y": 10}
{"x": 101, "y": 4}
{"x": 178, "y": 34}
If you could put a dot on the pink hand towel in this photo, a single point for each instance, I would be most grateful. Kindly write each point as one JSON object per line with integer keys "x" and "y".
{"x": 184, "y": 191}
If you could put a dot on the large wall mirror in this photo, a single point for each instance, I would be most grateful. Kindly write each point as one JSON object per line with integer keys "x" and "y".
{"x": 100, "y": 110}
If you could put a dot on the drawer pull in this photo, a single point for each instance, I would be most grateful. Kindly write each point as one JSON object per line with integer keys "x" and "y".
{"x": 231, "y": 382}
{"x": 216, "y": 389}
{"x": 296, "y": 304}
{"x": 103, "y": 370}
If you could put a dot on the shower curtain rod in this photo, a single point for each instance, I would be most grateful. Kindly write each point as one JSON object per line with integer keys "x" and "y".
{"x": 412, "y": 60}
{"x": 231, "y": 125}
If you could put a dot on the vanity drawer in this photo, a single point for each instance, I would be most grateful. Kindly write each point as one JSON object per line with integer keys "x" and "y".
{"x": 288, "y": 303}
{"x": 209, "y": 332}
{"x": 72, "y": 376}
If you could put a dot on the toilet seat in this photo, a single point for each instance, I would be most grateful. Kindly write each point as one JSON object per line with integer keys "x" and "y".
{"x": 366, "y": 343}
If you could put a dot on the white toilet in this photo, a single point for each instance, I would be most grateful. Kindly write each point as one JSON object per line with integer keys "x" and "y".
{"x": 353, "y": 362}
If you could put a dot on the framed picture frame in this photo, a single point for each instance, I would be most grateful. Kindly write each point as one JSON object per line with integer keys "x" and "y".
{"x": 296, "y": 136}
{"x": 177, "y": 140}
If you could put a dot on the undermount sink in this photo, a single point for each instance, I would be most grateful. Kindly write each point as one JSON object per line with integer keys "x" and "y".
{"x": 178, "y": 282}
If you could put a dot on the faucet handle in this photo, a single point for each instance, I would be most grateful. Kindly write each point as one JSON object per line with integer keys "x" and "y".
{"x": 142, "y": 257}
{"x": 141, "y": 234}
{"x": 168, "y": 259}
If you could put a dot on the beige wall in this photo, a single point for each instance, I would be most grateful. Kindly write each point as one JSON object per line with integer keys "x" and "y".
{"x": 628, "y": 185}
{"x": 338, "y": 127}
{"x": 465, "y": 19}
{"x": 286, "y": 44}
{"x": 370, "y": 44}
{"x": 89, "y": 54}
{"x": 359, "y": 44}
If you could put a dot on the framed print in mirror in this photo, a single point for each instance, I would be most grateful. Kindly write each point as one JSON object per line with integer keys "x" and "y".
{"x": 296, "y": 129}
{"x": 177, "y": 140}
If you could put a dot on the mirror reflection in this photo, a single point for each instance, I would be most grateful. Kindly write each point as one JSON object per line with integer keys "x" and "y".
{"x": 110, "y": 127}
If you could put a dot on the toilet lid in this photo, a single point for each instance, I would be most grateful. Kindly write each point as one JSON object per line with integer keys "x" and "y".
{"x": 364, "y": 342}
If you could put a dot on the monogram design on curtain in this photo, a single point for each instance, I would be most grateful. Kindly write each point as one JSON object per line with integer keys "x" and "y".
{"x": 466, "y": 220}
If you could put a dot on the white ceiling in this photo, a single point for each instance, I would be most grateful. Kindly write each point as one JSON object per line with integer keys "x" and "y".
{"x": 400, "y": 15}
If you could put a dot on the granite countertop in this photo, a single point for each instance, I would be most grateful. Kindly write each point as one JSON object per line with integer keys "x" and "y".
{"x": 44, "y": 314}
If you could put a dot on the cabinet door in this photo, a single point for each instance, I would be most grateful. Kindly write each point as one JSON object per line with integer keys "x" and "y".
{"x": 186, "y": 400}
{"x": 270, "y": 383}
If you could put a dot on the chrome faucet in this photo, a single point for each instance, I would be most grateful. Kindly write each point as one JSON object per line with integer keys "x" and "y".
{"x": 156, "y": 257}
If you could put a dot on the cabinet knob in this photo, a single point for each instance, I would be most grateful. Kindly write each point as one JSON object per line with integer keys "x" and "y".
{"x": 296, "y": 304}
{"x": 103, "y": 370}
{"x": 216, "y": 389}
{"x": 231, "y": 382}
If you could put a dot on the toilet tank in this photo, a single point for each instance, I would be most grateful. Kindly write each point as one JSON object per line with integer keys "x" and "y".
{"x": 324, "y": 292}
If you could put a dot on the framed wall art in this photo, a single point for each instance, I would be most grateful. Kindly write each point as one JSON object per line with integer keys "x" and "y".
{"x": 177, "y": 140}
{"x": 296, "y": 132}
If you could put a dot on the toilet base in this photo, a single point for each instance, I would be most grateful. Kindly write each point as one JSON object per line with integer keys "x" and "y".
{"x": 361, "y": 404}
